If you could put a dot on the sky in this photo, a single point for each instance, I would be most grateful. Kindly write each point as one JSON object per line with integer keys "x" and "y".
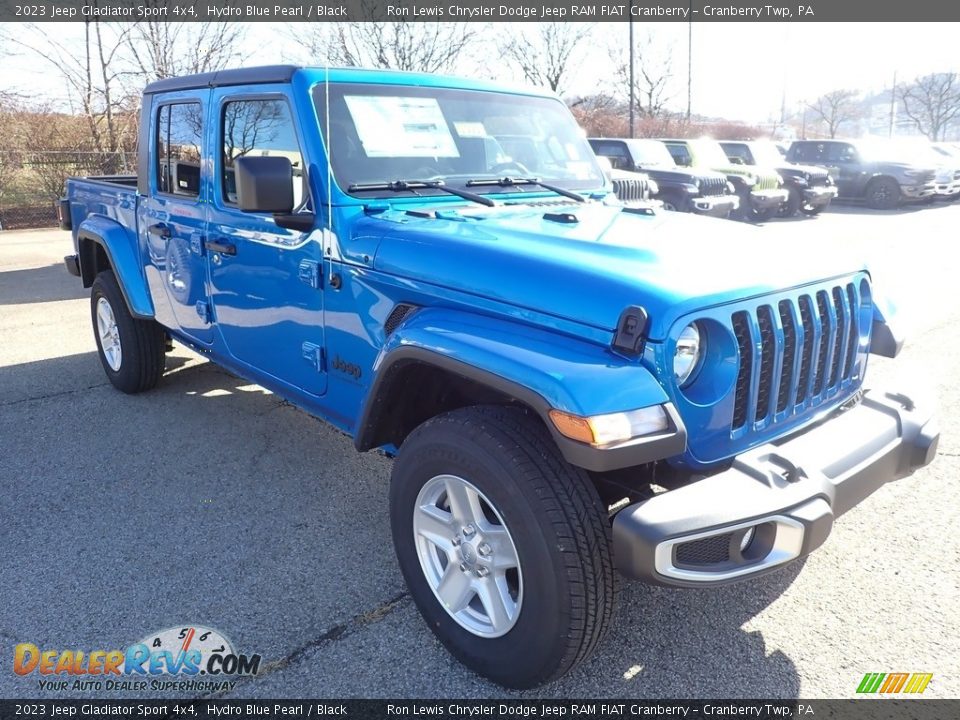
{"x": 741, "y": 71}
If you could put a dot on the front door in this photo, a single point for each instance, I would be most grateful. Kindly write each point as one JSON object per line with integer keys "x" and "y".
{"x": 265, "y": 279}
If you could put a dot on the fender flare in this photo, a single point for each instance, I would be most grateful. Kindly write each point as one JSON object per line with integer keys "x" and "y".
{"x": 538, "y": 368}
{"x": 124, "y": 260}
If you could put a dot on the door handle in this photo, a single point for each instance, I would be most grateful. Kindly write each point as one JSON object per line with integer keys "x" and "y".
{"x": 224, "y": 248}
{"x": 160, "y": 230}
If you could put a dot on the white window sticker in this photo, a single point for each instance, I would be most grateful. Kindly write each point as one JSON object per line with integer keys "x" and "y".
{"x": 401, "y": 126}
{"x": 470, "y": 129}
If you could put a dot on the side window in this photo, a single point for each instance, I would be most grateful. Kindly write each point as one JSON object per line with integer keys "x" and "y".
{"x": 841, "y": 153}
{"x": 681, "y": 156}
{"x": 179, "y": 132}
{"x": 806, "y": 152}
{"x": 259, "y": 128}
{"x": 616, "y": 152}
{"x": 738, "y": 150}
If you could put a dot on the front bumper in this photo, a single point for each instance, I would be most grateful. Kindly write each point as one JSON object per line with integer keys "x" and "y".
{"x": 819, "y": 195}
{"x": 715, "y": 205}
{"x": 72, "y": 263}
{"x": 918, "y": 192}
{"x": 768, "y": 199}
{"x": 776, "y": 503}
{"x": 948, "y": 191}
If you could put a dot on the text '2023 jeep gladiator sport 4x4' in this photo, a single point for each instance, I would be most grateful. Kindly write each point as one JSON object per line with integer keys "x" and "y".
{"x": 434, "y": 266}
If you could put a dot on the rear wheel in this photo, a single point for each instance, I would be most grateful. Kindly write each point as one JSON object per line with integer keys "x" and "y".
{"x": 504, "y": 546}
{"x": 131, "y": 350}
{"x": 883, "y": 194}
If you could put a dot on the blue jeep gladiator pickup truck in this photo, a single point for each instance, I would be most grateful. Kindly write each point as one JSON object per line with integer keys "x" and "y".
{"x": 571, "y": 388}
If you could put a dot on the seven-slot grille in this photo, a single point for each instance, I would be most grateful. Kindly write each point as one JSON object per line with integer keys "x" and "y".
{"x": 795, "y": 353}
{"x": 818, "y": 177}
{"x": 630, "y": 189}
{"x": 713, "y": 186}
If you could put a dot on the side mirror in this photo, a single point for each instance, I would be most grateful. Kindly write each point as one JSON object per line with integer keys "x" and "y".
{"x": 264, "y": 184}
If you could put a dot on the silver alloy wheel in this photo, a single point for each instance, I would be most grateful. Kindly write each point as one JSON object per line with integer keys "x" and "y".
{"x": 467, "y": 556}
{"x": 109, "y": 334}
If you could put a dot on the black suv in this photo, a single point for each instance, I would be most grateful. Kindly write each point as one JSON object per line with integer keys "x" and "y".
{"x": 700, "y": 191}
{"x": 811, "y": 188}
{"x": 877, "y": 172}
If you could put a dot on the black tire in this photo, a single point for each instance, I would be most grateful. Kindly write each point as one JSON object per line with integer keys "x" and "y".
{"x": 142, "y": 342}
{"x": 812, "y": 210}
{"x": 757, "y": 216}
{"x": 674, "y": 203}
{"x": 557, "y": 522}
{"x": 791, "y": 206}
{"x": 883, "y": 194}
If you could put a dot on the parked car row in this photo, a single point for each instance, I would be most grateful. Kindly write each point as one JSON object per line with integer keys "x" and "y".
{"x": 754, "y": 180}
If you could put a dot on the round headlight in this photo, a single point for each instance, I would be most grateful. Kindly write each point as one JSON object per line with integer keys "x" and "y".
{"x": 687, "y": 355}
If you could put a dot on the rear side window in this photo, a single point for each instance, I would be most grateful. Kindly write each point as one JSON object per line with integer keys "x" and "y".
{"x": 616, "y": 152}
{"x": 681, "y": 156}
{"x": 262, "y": 127}
{"x": 179, "y": 131}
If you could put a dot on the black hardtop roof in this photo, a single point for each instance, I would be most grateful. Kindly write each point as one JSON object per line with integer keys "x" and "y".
{"x": 222, "y": 78}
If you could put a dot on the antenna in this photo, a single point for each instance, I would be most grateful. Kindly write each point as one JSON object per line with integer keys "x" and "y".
{"x": 326, "y": 91}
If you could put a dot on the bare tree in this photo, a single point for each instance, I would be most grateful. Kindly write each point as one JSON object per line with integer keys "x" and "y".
{"x": 932, "y": 102}
{"x": 9, "y": 157}
{"x": 545, "y": 52}
{"x": 91, "y": 73}
{"x": 653, "y": 71}
{"x": 416, "y": 46}
{"x": 836, "y": 108}
{"x": 161, "y": 49}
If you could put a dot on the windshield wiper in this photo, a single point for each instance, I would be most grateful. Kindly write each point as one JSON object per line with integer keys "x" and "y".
{"x": 410, "y": 185}
{"x": 511, "y": 182}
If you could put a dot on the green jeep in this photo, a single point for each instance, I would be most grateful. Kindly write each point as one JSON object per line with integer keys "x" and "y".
{"x": 760, "y": 189}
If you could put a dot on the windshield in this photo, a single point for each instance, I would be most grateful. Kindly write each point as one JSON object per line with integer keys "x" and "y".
{"x": 709, "y": 153}
{"x": 651, "y": 152}
{"x": 383, "y": 133}
{"x": 765, "y": 153}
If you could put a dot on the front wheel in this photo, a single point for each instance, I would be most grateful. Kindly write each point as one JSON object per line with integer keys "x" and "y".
{"x": 505, "y": 547}
{"x": 883, "y": 194}
{"x": 132, "y": 351}
{"x": 790, "y": 207}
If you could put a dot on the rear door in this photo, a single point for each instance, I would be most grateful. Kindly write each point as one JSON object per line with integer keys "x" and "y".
{"x": 265, "y": 280}
{"x": 172, "y": 217}
{"x": 845, "y": 166}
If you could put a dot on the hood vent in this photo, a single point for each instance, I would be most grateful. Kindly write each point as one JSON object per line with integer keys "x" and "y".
{"x": 397, "y": 316}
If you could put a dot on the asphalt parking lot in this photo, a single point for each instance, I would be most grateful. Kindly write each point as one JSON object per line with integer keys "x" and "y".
{"x": 210, "y": 501}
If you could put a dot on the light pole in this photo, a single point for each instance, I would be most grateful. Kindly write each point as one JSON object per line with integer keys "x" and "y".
{"x": 690, "y": 62}
{"x": 632, "y": 98}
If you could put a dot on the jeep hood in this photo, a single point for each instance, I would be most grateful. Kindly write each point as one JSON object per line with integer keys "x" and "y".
{"x": 683, "y": 176}
{"x": 588, "y": 271}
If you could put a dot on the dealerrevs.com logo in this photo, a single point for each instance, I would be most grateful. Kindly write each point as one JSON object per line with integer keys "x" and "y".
{"x": 191, "y": 658}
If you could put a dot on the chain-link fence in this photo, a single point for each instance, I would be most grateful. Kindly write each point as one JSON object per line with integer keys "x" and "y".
{"x": 32, "y": 180}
